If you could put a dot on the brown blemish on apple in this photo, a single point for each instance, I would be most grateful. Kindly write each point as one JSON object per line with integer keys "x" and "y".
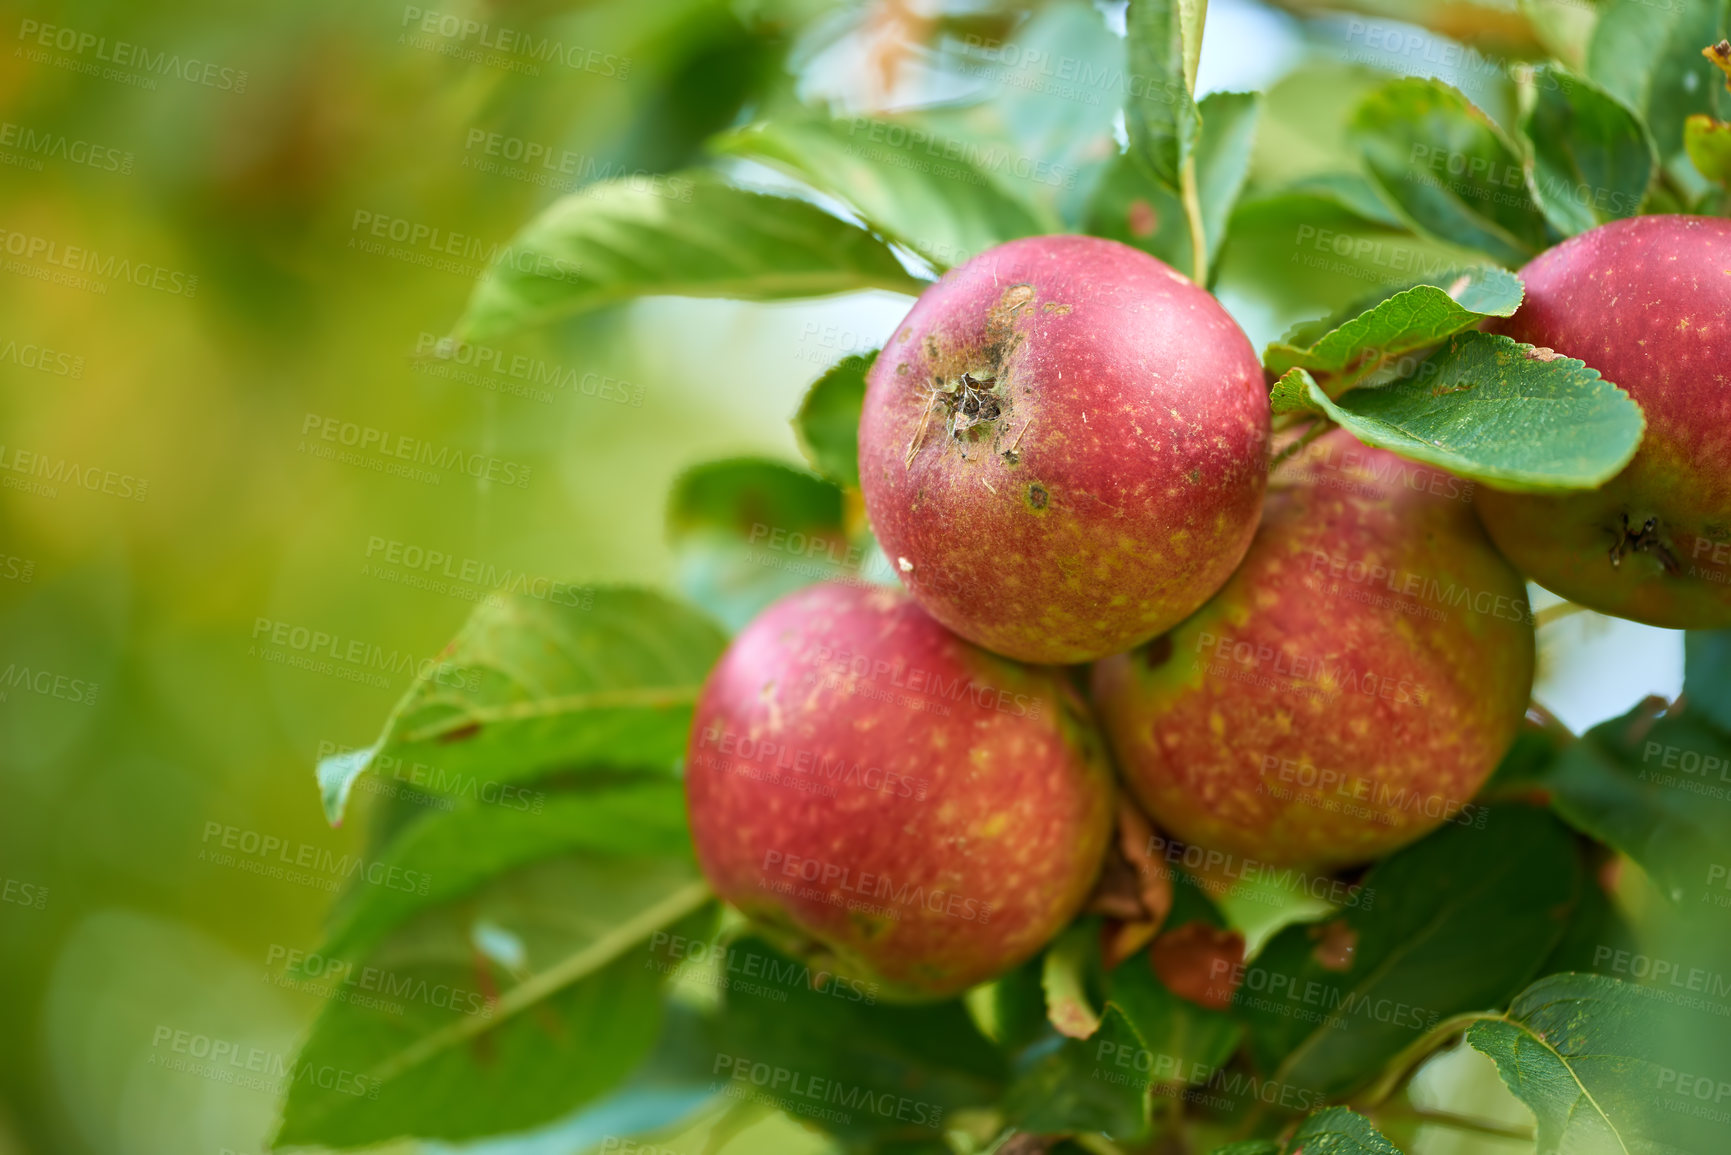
{"x": 1038, "y": 498}
{"x": 1054, "y": 307}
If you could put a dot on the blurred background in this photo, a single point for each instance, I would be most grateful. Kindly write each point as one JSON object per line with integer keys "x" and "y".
{"x": 225, "y": 226}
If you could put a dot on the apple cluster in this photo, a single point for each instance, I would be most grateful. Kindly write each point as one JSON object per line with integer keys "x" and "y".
{"x": 1305, "y": 653}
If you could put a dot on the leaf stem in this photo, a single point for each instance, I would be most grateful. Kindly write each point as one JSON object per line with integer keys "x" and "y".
{"x": 1556, "y": 613}
{"x": 1459, "y": 1122}
{"x": 1401, "y": 1067}
{"x": 1193, "y": 210}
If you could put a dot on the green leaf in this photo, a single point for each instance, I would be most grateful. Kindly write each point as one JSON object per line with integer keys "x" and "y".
{"x": 1338, "y": 1131}
{"x": 448, "y": 855}
{"x": 619, "y": 240}
{"x": 500, "y": 1012}
{"x": 1160, "y": 112}
{"x": 1349, "y": 191}
{"x": 827, "y": 424}
{"x": 1592, "y": 1057}
{"x": 1011, "y": 1009}
{"x": 1462, "y": 919}
{"x": 1449, "y": 169}
{"x": 1592, "y": 160}
{"x": 582, "y": 679}
{"x": 1134, "y": 207}
{"x": 1228, "y": 134}
{"x": 1654, "y": 785}
{"x": 748, "y": 530}
{"x": 1708, "y": 143}
{"x": 863, "y": 1072}
{"x": 1402, "y": 320}
{"x": 1296, "y": 391}
{"x": 1075, "y": 1087}
{"x": 1490, "y": 409}
{"x": 1331, "y": 1131}
{"x": 942, "y": 196}
{"x": 1707, "y": 675}
{"x": 1648, "y": 56}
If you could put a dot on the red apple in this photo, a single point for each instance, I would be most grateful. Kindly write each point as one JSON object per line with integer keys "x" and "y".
{"x": 1646, "y": 302}
{"x": 1063, "y": 448}
{"x": 1349, "y": 689}
{"x": 890, "y": 802}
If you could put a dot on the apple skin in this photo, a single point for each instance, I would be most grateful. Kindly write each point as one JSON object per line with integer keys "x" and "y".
{"x": 970, "y": 830}
{"x": 1113, "y": 479}
{"x": 1330, "y": 705}
{"x": 1646, "y": 302}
